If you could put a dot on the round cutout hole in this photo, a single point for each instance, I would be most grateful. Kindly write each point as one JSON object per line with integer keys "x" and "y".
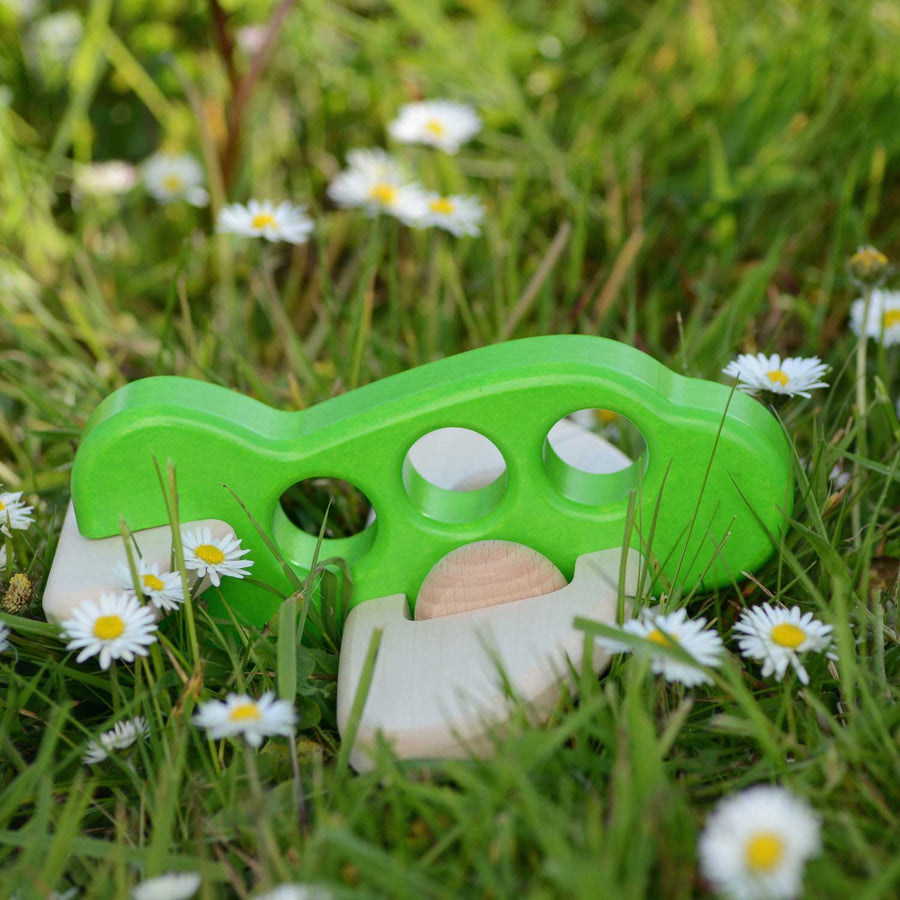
{"x": 595, "y": 456}
{"x": 345, "y": 510}
{"x": 454, "y": 475}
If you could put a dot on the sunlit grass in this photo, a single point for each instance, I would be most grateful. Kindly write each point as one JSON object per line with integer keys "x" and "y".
{"x": 689, "y": 177}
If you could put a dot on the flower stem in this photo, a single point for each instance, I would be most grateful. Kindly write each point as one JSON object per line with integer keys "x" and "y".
{"x": 861, "y": 405}
{"x": 266, "y": 837}
{"x": 114, "y": 686}
{"x": 169, "y": 486}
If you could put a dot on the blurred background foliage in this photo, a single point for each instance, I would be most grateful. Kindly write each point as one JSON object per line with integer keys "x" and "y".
{"x": 685, "y": 175}
{"x": 689, "y": 176}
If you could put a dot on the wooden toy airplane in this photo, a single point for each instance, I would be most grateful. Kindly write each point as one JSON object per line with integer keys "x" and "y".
{"x": 715, "y": 483}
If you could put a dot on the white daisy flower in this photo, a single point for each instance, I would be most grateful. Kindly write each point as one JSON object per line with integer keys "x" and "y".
{"x": 883, "y": 322}
{"x": 240, "y": 714}
{"x": 22, "y": 9}
{"x": 457, "y": 214}
{"x": 214, "y": 558}
{"x": 283, "y": 222}
{"x": 58, "y": 35}
{"x": 4, "y": 637}
{"x": 666, "y": 630}
{"x": 375, "y": 182}
{"x": 167, "y": 178}
{"x": 792, "y": 376}
{"x": 778, "y": 636}
{"x": 838, "y": 478}
{"x": 121, "y": 736}
{"x": 251, "y": 38}
{"x": 105, "y": 178}
{"x": 171, "y": 886}
{"x": 438, "y": 123}
{"x": 114, "y": 627}
{"x": 163, "y": 589}
{"x": 296, "y": 892}
{"x": 14, "y": 512}
{"x": 755, "y": 844}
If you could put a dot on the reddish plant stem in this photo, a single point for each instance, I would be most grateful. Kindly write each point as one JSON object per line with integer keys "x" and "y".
{"x": 242, "y": 86}
{"x": 224, "y": 40}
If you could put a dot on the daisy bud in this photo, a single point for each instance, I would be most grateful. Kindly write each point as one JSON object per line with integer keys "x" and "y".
{"x": 18, "y": 594}
{"x": 868, "y": 266}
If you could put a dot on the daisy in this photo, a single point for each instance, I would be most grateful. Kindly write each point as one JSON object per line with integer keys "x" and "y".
{"x": 669, "y": 630}
{"x": 58, "y": 35}
{"x": 214, "y": 558}
{"x": 457, "y": 214}
{"x": 163, "y": 589}
{"x": 116, "y": 627}
{"x": 790, "y": 376}
{"x": 838, "y": 478}
{"x": 778, "y": 636}
{"x": 171, "y": 886}
{"x": 374, "y": 181}
{"x": 14, "y": 512}
{"x": 105, "y": 178}
{"x": 240, "y": 714}
{"x": 438, "y": 123}
{"x": 251, "y": 38}
{"x": 283, "y": 222}
{"x": 755, "y": 844}
{"x": 296, "y": 892}
{"x": 4, "y": 637}
{"x": 121, "y": 736}
{"x": 169, "y": 178}
{"x": 18, "y": 595}
{"x": 883, "y": 322}
{"x": 869, "y": 266}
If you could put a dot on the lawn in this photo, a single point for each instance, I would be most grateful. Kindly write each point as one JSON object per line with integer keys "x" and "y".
{"x": 689, "y": 177}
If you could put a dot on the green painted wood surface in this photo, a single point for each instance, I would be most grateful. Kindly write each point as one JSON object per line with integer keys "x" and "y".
{"x": 513, "y": 393}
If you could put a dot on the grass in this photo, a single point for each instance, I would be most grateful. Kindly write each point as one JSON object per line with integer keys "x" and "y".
{"x": 688, "y": 177}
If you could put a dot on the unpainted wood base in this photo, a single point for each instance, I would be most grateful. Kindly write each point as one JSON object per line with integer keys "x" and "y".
{"x": 82, "y": 567}
{"x": 437, "y": 691}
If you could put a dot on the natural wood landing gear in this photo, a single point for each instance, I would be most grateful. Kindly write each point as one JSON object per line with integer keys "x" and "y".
{"x": 436, "y": 690}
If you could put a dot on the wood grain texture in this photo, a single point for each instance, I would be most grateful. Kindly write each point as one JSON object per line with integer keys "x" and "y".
{"x": 437, "y": 691}
{"x": 83, "y": 567}
{"x": 485, "y": 573}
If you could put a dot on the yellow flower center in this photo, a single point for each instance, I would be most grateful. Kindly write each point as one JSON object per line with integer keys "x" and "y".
{"x": 209, "y": 554}
{"x": 868, "y": 256}
{"x": 261, "y": 220}
{"x": 764, "y": 851}
{"x": 786, "y": 635}
{"x": 442, "y": 205}
{"x": 432, "y": 126}
{"x": 891, "y": 318}
{"x": 2, "y": 506}
{"x": 607, "y": 416}
{"x": 779, "y": 376}
{"x": 108, "y": 627}
{"x": 246, "y": 712}
{"x": 383, "y": 193}
{"x": 172, "y": 182}
{"x": 152, "y": 582}
{"x": 868, "y": 264}
{"x": 664, "y": 640}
